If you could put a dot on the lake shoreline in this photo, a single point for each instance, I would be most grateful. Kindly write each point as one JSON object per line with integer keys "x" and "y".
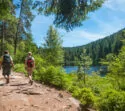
{"x": 100, "y": 69}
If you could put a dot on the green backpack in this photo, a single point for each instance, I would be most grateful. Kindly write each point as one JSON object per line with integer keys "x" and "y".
{"x": 6, "y": 58}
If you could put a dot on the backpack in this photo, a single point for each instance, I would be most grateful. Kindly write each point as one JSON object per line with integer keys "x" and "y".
{"x": 30, "y": 62}
{"x": 6, "y": 59}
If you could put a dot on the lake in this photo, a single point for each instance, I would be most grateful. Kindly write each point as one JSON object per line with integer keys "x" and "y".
{"x": 70, "y": 69}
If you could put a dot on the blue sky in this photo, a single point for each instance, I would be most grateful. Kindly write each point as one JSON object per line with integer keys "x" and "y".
{"x": 108, "y": 19}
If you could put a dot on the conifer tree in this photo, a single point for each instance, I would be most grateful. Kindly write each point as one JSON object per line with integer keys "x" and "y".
{"x": 84, "y": 64}
{"x": 24, "y": 21}
{"x": 7, "y": 18}
{"x": 53, "y": 51}
{"x": 68, "y": 13}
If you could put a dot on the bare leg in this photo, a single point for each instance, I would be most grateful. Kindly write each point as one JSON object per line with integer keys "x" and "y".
{"x": 30, "y": 76}
{"x": 5, "y": 76}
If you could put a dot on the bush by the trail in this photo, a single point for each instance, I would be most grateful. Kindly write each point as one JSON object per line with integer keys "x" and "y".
{"x": 112, "y": 100}
{"x": 85, "y": 96}
{"x": 19, "y": 68}
{"x": 99, "y": 84}
{"x": 51, "y": 75}
{"x": 70, "y": 78}
{"x": 39, "y": 68}
{"x": 48, "y": 74}
{"x": 54, "y": 76}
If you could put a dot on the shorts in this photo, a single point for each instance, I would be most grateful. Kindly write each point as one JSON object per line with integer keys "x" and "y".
{"x": 29, "y": 70}
{"x": 6, "y": 69}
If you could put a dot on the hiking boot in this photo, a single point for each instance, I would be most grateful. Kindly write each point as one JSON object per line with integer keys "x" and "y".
{"x": 31, "y": 82}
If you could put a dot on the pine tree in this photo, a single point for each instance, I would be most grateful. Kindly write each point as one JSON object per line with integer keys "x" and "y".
{"x": 7, "y": 18}
{"x": 53, "y": 51}
{"x": 84, "y": 64}
{"x": 24, "y": 21}
{"x": 68, "y": 13}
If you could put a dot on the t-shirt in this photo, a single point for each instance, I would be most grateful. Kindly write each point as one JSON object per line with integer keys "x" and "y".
{"x": 29, "y": 64}
{"x": 28, "y": 57}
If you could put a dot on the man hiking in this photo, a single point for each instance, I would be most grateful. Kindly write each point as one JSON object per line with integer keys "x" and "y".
{"x": 29, "y": 66}
{"x": 6, "y": 64}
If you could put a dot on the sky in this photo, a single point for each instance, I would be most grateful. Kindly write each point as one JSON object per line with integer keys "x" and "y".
{"x": 103, "y": 22}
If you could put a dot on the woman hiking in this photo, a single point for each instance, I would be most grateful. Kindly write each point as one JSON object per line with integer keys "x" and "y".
{"x": 29, "y": 66}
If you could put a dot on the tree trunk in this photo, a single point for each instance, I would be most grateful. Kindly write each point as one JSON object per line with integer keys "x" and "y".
{"x": 84, "y": 76}
{"x": 16, "y": 39}
{"x": 2, "y": 38}
{"x": 18, "y": 25}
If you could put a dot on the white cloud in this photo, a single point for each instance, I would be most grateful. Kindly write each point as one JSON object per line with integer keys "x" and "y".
{"x": 84, "y": 34}
{"x": 111, "y": 24}
{"x": 79, "y": 37}
{"x": 115, "y": 5}
{"x": 104, "y": 28}
{"x": 106, "y": 24}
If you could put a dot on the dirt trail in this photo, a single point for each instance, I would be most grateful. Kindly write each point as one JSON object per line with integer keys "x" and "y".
{"x": 19, "y": 95}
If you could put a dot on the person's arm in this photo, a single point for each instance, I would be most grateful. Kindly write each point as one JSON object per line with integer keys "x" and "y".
{"x": 25, "y": 63}
{"x": 0, "y": 65}
{"x": 11, "y": 61}
{"x": 33, "y": 62}
{"x": 1, "y": 60}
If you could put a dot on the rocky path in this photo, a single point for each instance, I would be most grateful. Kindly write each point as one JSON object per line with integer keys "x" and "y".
{"x": 19, "y": 95}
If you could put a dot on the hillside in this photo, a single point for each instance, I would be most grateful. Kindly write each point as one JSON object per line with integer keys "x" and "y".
{"x": 18, "y": 95}
{"x": 97, "y": 49}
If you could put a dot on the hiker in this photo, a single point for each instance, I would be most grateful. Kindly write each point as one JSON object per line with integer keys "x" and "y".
{"x": 6, "y": 64}
{"x": 29, "y": 66}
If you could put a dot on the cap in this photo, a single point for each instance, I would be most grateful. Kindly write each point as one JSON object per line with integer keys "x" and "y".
{"x": 6, "y": 51}
{"x": 30, "y": 53}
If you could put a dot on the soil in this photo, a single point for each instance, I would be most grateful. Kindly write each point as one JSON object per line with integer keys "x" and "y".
{"x": 19, "y": 95}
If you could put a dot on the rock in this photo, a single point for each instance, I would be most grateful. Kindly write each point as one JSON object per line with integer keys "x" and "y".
{"x": 60, "y": 95}
{"x": 74, "y": 101}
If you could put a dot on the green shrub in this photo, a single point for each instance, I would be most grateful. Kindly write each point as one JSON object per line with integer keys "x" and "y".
{"x": 98, "y": 84}
{"x": 19, "y": 68}
{"x": 111, "y": 100}
{"x": 50, "y": 75}
{"x": 85, "y": 96}
{"x": 40, "y": 68}
{"x": 69, "y": 80}
{"x": 54, "y": 76}
{"x": 38, "y": 74}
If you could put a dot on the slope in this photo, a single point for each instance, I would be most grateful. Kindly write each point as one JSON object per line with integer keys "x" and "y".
{"x": 18, "y": 95}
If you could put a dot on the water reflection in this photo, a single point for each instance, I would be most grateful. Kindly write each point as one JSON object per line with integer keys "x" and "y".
{"x": 100, "y": 69}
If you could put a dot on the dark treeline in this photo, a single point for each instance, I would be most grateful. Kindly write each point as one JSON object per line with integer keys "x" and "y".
{"x": 96, "y": 50}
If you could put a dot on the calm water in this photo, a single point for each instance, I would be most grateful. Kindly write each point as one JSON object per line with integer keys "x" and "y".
{"x": 70, "y": 69}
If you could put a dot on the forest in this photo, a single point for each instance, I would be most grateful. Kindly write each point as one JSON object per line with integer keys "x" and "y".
{"x": 97, "y": 49}
{"x": 99, "y": 93}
